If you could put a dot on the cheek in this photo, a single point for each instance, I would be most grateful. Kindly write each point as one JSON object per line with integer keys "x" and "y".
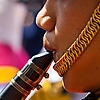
{"x": 60, "y": 37}
{"x": 68, "y": 28}
{"x": 65, "y": 33}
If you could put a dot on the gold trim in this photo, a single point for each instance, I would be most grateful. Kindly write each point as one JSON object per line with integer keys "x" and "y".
{"x": 19, "y": 88}
{"x": 35, "y": 67}
{"x": 81, "y": 43}
{"x": 26, "y": 79}
{"x": 38, "y": 70}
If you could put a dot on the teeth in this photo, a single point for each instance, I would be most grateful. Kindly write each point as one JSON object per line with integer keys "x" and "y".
{"x": 53, "y": 51}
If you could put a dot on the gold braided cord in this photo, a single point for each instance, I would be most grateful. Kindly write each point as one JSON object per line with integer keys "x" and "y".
{"x": 81, "y": 43}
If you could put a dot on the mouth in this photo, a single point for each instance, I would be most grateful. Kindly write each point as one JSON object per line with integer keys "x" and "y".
{"x": 49, "y": 49}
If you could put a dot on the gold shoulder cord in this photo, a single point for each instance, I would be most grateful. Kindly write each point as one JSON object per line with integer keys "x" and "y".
{"x": 81, "y": 43}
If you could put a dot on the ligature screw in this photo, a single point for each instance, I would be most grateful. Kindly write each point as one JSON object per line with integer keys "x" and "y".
{"x": 46, "y": 75}
{"x": 38, "y": 87}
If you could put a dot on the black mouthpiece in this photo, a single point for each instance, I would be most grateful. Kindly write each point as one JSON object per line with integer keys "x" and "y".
{"x": 28, "y": 77}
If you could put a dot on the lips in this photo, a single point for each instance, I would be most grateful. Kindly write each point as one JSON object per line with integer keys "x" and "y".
{"x": 49, "y": 49}
{"x": 49, "y": 44}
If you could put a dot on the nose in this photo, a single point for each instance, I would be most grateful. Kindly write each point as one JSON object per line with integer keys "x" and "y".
{"x": 46, "y": 19}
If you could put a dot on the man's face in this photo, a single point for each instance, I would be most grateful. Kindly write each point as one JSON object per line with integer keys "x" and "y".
{"x": 63, "y": 21}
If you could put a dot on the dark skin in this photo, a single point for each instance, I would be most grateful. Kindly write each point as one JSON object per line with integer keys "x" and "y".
{"x": 63, "y": 21}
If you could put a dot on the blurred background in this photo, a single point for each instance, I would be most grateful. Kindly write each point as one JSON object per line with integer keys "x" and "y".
{"x": 20, "y": 39}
